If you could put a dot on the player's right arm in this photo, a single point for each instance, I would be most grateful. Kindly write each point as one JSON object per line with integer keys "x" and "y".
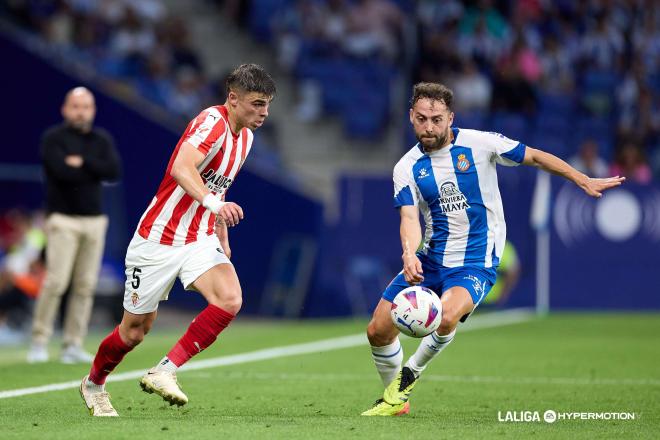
{"x": 411, "y": 236}
{"x": 184, "y": 171}
{"x": 406, "y": 201}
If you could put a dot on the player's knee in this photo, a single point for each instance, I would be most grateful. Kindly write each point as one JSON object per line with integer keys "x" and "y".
{"x": 373, "y": 334}
{"x": 133, "y": 336}
{"x": 132, "y": 333}
{"x": 230, "y": 301}
{"x": 145, "y": 329}
{"x": 233, "y": 304}
{"x": 450, "y": 318}
{"x": 377, "y": 336}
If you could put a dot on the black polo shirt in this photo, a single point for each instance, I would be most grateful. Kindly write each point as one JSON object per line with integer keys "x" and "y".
{"x": 77, "y": 191}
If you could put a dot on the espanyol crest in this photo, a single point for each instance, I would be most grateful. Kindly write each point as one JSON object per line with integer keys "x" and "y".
{"x": 462, "y": 163}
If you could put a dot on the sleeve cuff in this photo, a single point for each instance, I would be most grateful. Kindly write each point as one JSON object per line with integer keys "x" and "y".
{"x": 516, "y": 154}
{"x": 404, "y": 198}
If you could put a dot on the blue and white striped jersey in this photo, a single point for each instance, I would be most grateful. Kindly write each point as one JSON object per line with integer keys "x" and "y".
{"x": 457, "y": 192}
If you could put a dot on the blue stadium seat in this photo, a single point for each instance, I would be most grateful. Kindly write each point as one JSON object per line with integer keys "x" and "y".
{"x": 551, "y": 122}
{"x": 560, "y": 104}
{"x": 555, "y": 143}
{"x": 511, "y": 125}
{"x": 600, "y": 130}
{"x": 474, "y": 120}
{"x": 261, "y": 14}
{"x": 599, "y": 81}
{"x": 366, "y": 117}
{"x": 593, "y": 127}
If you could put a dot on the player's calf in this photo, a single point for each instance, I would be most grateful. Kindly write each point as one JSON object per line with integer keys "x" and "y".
{"x": 386, "y": 350}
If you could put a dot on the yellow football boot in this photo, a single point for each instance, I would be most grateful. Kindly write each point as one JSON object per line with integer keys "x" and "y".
{"x": 382, "y": 408}
{"x": 398, "y": 392}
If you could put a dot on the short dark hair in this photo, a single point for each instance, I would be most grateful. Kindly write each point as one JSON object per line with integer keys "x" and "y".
{"x": 433, "y": 91}
{"x": 250, "y": 78}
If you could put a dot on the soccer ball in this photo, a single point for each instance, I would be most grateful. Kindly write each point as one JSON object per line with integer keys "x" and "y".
{"x": 416, "y": 311}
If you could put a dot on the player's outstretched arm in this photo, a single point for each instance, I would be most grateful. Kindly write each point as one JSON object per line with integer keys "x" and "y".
{"x": 552, "y": 164}
{"x": 184, "y": 171}
{"x": 411, "y": 236}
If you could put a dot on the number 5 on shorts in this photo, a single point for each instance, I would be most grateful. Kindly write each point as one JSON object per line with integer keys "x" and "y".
{"x": 136, "y": 279}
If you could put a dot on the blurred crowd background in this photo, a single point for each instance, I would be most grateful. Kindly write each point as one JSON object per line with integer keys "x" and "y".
{"x": 581, "y": 78}
{"x": 578, "y": 78}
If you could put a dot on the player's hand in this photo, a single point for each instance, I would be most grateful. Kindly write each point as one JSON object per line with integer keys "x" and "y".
{"x": 74, "y": 160}
{"x": 595, "y": 187}
{"x": 412, "y": 269}
{"x": 230, "y": 213}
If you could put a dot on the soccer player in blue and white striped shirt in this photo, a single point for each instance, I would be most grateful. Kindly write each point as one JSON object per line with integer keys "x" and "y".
{"x": 450, "y": 176}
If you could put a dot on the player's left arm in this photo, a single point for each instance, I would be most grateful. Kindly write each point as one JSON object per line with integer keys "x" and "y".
{"x": 552, "y": 164}
{"x": 222, "y": 232}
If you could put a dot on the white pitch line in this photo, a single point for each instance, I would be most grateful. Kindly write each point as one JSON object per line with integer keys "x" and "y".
{"x": 329, "y": 377}
{"x": 476, "y": 323}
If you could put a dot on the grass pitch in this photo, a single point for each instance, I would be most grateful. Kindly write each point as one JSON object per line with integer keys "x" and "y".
{"x": 566, "y": 362}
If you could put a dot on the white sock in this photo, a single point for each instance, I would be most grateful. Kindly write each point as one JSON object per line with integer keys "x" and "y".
{"x": 93, "y": 387}
{"x": 388, "y": 360}
{"x": 429, "y": 348}
{"x": 167, "y": 365}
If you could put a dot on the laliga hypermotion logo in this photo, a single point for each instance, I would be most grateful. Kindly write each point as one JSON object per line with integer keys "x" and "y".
{"x": 618, "y": 216}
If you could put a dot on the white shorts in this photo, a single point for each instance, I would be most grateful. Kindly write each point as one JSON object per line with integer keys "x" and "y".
{"x": 152, "y": 268}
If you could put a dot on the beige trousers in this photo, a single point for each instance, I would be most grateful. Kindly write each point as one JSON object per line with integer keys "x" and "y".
{"x": 73, "y": 255}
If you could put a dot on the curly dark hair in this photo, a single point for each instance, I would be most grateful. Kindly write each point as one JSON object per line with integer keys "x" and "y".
{"x": 434, "y": 91}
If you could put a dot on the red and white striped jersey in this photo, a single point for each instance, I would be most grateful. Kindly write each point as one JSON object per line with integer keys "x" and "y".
{"x": 173, "y": 217}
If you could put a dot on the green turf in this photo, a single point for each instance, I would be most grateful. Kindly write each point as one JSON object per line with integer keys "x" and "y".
{"x": 567, "y": 362}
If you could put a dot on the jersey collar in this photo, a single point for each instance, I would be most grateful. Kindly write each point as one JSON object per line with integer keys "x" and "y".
{"x": 225, "y": 114}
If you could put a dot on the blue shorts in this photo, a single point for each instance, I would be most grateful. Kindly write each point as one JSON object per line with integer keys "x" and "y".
{"x": 477, "y": 280}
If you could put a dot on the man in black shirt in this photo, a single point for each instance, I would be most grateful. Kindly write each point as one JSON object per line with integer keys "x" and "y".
{"x": 76, "y": 159}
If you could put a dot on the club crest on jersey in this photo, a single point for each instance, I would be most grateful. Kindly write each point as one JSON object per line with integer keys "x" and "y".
{"x": 452, "y": 199}
{"x": 462, "y": 163}
{"x": 135, "y": 298}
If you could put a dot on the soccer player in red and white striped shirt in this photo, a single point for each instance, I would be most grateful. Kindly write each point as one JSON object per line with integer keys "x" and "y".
{"x": 183, "y": 233}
